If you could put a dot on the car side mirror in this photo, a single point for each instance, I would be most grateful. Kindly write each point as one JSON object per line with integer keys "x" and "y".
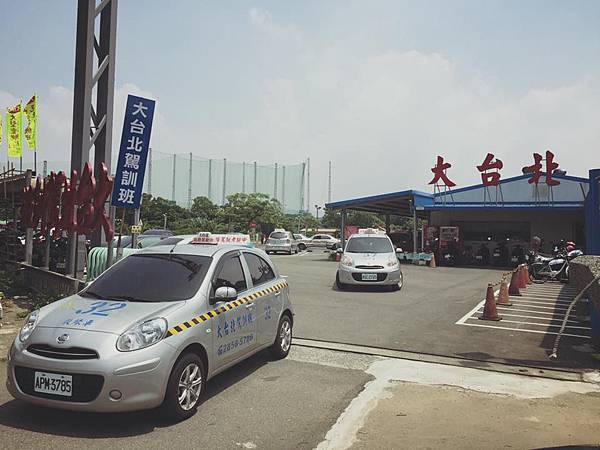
{"x": 224, "y": 293}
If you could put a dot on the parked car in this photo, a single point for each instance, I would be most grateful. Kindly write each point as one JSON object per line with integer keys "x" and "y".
{"x": 302, "y": 241}
{"x": 323, "y": 241}
{"x": 151, "y": 330}
{"x": 281, "y": 241}
{"x": 157, "y": 232}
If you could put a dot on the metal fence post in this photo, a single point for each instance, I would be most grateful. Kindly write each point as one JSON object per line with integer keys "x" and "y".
{"x": 224, "y": 181}
{"x": 255, "y": 173}
{"x": 150, "y": 170}
{"x": 209, "y": 193}
{"x": 190, "y": 184}
{"x": 283, "y": 189}
{"x": 173, "y": 186}
{"x": 275, "y": 184}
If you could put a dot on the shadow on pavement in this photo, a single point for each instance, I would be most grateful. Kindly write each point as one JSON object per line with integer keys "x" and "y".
{"x": 24, "y": 416}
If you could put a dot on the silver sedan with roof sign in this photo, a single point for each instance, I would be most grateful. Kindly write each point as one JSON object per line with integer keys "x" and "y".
{"x": 369, "y": 259}
{"x": 152, "y": 329}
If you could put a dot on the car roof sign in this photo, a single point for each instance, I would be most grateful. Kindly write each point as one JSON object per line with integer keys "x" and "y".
{"x": 220, "y": 239}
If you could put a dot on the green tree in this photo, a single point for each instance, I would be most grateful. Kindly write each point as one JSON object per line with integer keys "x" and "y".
{"x": 333, "y": 219}
{"x": 153, "y": 208}
{"x": 204, "y": 208}
{"x": 242, "y": 209}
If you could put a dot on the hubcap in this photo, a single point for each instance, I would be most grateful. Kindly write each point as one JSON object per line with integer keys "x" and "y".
{"x": 190, "y": 385}
{"x": 285, "y": 336}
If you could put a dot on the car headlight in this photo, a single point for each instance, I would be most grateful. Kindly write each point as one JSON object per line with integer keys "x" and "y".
{"x": 393, "y": 261}
{"x": 142, "y": 335}
{"x": 347, "y": 261}
{"x": 29, "y": 325}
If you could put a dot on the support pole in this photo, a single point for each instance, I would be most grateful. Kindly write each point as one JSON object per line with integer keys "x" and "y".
{"x": 174, "y": 170}
{"x": 307, "y": 184}
{"x": 414, "y": 232}
{"x": 343, "y": 230}
{"x": 112, "y": 213}
{"x": 29, "y": 232}
{"x": 136, "y": 221}
{"x": 302, "y": 189}
{"x": 283, "y": 188}
{"x": 190, "y": 184}
{"x": 243, "y": 178}
{"x": 275, "y": 184}
{"x": 150, "y": 170}
{"x": 47, "y": 241}
{"x": 387, "y": 224}
{"x": 329, "y": 185}
{"x": 209, "y": 192}
{"x": 255, "y": 176}
{"x": 223, "y": 194}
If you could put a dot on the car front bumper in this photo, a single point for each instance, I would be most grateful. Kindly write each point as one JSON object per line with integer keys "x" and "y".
{"x": 385, "y": 277}
{"x": 140, "y": 376}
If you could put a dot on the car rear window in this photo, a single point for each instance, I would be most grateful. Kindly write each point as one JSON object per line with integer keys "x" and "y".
{"x": 279, "y": 235}
{"x": 151, "y": 278}
{"x": 369, "y": 245}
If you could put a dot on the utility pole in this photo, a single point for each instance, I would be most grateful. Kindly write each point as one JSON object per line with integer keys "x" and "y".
{"x": 329, "y": 185}
{"x": 302, "y": 190}
{"x": 318, "y": 208}
{"x": 283, "y": 189}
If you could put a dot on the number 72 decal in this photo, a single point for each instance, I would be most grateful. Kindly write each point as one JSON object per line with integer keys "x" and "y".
{"x": 102, "y": 308}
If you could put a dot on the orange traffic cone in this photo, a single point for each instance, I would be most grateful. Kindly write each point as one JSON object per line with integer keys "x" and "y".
{"x": 513, "y": 288}
{"x": 432, "y": 262}
{"x": 489, "y": 309}
{"x": 503, "y": 299}
{"x": 527, "y": 277}
{"x": 522, "y": 280}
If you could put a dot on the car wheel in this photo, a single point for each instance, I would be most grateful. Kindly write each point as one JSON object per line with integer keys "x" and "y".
{"x": 401, "y": 283}
{"x": 283, "y": 341}
{"x": 341, "y": 286}
{"x": 185, "y": 388}
{"x": 290, "y": 252}
{"x": 301, "y": 247}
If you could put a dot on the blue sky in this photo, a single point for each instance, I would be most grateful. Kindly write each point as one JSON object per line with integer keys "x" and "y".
{"x": 389, "y": 83}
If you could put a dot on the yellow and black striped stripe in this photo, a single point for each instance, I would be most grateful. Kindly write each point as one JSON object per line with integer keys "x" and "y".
{"x": 227, "y": 307}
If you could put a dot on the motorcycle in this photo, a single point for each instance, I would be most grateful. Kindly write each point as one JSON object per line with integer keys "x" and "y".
{"x": 556, "y": 267}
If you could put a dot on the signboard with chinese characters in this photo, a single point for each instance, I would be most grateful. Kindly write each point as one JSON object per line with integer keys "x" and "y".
{"x": 215, "y": 239}
{"x": 135, "y": 140}
{"x": 448, "y": 234}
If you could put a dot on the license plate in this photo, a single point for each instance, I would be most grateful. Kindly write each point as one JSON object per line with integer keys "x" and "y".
{"x": 369, "y": 277}
{"x": 53, "y": 383}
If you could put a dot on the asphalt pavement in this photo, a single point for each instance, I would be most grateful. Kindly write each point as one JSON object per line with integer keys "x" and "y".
{"x": 421, "y": 317}
{"x": 257, "y": 404}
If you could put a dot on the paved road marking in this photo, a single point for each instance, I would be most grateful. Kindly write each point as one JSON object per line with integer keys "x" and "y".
{"x": 537, "y": 303}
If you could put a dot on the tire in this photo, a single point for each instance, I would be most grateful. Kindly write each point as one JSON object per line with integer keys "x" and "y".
{"x": 190, "y": 367}
{"x": 301, "y": 247}
{"x": 338, "y": 284}
{"x": 401, "y": 283}
{"x": 283, "y": 341}
{"x": 291, "y": 252}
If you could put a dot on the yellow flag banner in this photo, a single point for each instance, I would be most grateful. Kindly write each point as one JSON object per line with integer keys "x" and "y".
{"x": 14, "y": 133}
{"x": 31, "y": 114}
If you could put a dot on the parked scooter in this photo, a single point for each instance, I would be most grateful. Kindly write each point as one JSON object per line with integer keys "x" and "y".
{"x": 556, "y": 267}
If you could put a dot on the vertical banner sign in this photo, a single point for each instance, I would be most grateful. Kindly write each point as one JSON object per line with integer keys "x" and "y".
{"x": 14, "y": 131}
{"x": 31, "y": 130}
{"x": 135, "y": 140}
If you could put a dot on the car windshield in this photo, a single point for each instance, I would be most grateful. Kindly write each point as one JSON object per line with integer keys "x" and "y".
{"x": 278, "y": 235}
{"x": 369, "y": 245}
{"x": 151, "y": 278}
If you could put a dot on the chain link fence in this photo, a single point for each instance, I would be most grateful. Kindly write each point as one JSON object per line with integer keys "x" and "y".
{"x": 183, "y": 177}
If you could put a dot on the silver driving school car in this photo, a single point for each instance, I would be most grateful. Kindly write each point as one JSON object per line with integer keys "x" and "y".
{"x": 369, "y": 259}
{"x": 152, "y": 329}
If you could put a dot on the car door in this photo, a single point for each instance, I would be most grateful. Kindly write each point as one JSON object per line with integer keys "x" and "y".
{"x": 268, "y": 302}
{"x": 316, "y": 241}
{"x": 234, "y": 329}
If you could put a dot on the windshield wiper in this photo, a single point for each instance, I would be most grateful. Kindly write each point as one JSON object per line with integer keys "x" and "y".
{"x": 127, "y": 298}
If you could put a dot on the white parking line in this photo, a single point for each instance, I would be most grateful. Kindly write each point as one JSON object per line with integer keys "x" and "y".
{"x": 536, "y": 324}
{"x": 523, "y": 330}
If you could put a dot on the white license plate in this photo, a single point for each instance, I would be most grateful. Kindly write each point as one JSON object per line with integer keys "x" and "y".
{"x": 369, "y": 277}
{"x": 53, "y": 383}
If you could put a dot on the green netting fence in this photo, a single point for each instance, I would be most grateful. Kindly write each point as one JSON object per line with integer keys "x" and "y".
{"x": 182, "y": 177}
